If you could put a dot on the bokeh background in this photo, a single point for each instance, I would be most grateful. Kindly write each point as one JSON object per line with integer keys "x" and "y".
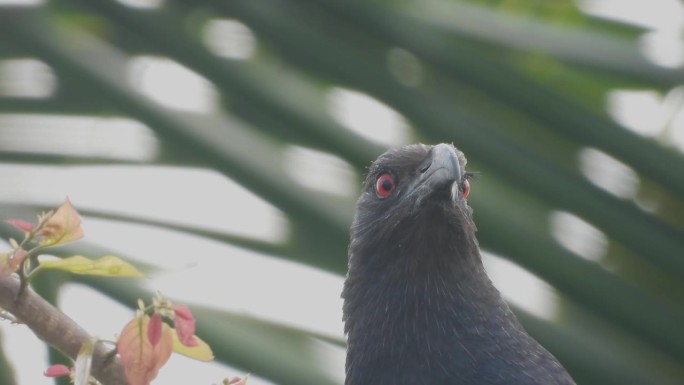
{"x": 220, "y": 145}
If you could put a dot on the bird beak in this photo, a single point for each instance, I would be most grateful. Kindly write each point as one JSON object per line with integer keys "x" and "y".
{"x": 441, "y": 171}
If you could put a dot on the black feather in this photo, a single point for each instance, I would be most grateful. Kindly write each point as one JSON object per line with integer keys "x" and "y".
{"x": 418, "y": 305}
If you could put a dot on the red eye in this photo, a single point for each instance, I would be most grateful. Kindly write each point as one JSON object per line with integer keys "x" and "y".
{"x": 466, "y": 189}
{"x": 384, "y": 185}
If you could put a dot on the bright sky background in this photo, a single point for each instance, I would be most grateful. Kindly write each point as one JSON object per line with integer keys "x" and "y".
{"x": 304, "y": 297}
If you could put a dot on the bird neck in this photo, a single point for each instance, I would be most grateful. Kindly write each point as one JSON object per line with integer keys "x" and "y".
{"x": 411, "y": 313}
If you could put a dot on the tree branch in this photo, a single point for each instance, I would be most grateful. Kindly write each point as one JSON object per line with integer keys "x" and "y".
{"x": 57, "y": 329}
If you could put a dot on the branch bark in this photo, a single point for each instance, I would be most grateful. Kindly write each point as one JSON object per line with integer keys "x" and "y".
{"x": 57, "y": 329}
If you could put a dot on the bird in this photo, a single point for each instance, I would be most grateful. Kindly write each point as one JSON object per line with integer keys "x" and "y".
{"x": 418, "y": 306}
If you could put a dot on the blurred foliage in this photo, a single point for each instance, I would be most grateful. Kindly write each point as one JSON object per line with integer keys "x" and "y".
{"x": 519, "y": 86}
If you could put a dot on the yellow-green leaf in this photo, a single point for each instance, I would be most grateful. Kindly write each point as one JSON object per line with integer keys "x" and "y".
{"x": 200, "y": 352}
{"x": 108, "y": 266}
{"x": 84, "y": 362}
{"x": 4, "y": 264}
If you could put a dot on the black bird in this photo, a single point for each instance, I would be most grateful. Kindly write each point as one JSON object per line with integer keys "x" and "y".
{"x": 419, "y": 308}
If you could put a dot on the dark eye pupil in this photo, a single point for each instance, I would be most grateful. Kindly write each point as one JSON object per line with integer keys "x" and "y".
{"x": 387, "y": 185}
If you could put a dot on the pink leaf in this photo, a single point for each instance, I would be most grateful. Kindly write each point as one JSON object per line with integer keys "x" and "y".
{"x": 183, "y": 312}
{"x": 154, "y": 329}
{"x": 184, "y": 323}
{"x": 57, "y": 371}
{"x": 238, "y": 380}
{"x": 62, "y": 227}
{"x": 21, "y": 225}
{"x": 141, "y": 360}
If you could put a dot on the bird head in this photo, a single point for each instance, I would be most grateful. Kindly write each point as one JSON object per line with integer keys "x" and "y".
{"x": 413, "y": 192}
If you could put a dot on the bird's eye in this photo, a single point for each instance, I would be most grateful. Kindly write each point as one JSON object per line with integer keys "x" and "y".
{"x": 466, "y": 189}
{"x": 384, "y": 185}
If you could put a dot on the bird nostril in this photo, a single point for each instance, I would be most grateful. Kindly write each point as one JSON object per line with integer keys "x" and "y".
{"x": 426, "y": 165}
